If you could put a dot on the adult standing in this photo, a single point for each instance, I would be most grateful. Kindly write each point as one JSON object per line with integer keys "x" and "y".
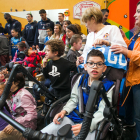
{"x": 132, "y": 86}
{"x": 99, "y": 33}
{"x": 41, "y": 29}
{"x": 60, "y": 18}
{"x": 105, "y": 16}
{"x": 11, "y": 23}
{"x": 30, "y": 30}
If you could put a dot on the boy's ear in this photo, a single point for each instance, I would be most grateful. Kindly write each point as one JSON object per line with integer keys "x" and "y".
{"x": 74, "y": 44}
{"x": 85, "y": 66}
{"x": 56, "y": 53}
{"x": 105, "y": 67}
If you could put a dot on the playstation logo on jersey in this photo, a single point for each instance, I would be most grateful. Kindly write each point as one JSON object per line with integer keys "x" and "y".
{"x": 54, "y": 71}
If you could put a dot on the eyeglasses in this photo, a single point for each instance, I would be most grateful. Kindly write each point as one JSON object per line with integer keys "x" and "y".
{"x": 92, "y": 64}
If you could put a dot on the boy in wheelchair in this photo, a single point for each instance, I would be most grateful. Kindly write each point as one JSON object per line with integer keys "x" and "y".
{"x": 73, "y": 110}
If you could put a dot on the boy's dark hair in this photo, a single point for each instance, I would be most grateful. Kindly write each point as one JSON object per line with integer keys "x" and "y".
{"x": 22, "y": 45}
{"x": 94, "y": 52}
{"x": 75, "y": 38}
{"x": 30, "y": 14}
{"x": 104, "y": 11}
{"x": 20, "y": 78}
{"x": 49, "y": 28}
{"x": 61, "y": 14}
{"x": 1, "y": 29}
{"x": 26, "y": 52}
{"x": 56, "y": 46}
{"x": 42, "y": 11}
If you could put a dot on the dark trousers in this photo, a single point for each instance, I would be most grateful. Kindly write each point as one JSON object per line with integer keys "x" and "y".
{"x": 4, "y": 59}
{"x": 36, "y": 94}
{"x": 132, "y": 107}
{"x": 58, "y": 93}
{"x": 41, "y": 47}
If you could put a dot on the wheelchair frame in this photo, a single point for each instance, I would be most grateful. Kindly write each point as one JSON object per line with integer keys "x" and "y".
{"x": 90, "y": 108}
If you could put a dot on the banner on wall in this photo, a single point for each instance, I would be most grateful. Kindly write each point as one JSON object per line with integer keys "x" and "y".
{"x": 80, "y": 7}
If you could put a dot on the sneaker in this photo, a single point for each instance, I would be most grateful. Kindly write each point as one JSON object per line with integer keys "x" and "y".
{"x": 129, "y": 125}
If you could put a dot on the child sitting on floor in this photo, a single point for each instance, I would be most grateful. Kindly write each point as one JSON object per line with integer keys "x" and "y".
{"x": 33, "y": 58}
{"x": 95, "y": 67}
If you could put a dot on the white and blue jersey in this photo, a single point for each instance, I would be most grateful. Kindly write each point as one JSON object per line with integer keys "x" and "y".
{"x": 113, "y": 60}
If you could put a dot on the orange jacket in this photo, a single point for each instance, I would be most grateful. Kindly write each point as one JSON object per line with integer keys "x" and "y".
{"x": 133, "y": 73}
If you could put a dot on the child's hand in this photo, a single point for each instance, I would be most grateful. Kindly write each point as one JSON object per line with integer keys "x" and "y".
{"x": 80, "y": 59}
{"x": 76, "y": 129}
{"x": 37, "y": 47}
{"x": 59, "y": 115}
{"x": 8, "y": 129}
{"x": 77, "y": 63}
{"x": 45, "y": 60}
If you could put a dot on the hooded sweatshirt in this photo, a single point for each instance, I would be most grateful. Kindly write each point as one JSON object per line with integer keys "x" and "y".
{"x": 14, "y": 24}
{"x": 29, "y": 33}
{"x": 41, "y": 30}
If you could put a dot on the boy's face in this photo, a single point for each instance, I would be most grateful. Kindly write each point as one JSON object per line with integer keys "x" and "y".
{"x": 1, "y": 89}
{"x": 49, "y": 33}
{"x": 95, "y": 70}
{"x": 1, "y": 77}
{"x": 78, "y": 45}
{"x": 20, "y": 49}
{"x": 49, "y": 53}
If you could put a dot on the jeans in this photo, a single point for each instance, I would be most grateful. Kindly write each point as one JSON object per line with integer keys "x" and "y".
{"x": 132, "y": 107}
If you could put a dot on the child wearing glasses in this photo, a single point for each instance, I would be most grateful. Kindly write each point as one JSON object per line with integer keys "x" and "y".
{"x": 70, "y": 113}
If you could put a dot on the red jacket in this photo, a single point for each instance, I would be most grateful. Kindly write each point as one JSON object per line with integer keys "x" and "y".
{"x": 33, "y": 59}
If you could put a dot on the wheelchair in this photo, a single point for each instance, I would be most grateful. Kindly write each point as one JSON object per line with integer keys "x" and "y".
{"x": 106, "y": 129}
{"x": 110, "y": 113}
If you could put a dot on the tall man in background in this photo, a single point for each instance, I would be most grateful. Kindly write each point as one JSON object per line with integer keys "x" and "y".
{"x": 41, "y": 29}
{"x": 11, "y": 23}
{"x": 60, "y": 18}
{"x": 30, "y": 30}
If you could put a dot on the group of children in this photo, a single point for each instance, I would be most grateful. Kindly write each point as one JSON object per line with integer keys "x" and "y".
{"x": 58, "y": 71}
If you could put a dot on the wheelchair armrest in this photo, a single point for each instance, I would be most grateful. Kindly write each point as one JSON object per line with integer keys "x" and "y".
{"x": 55, "y": 104}
{"x": 65, "y": 131}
